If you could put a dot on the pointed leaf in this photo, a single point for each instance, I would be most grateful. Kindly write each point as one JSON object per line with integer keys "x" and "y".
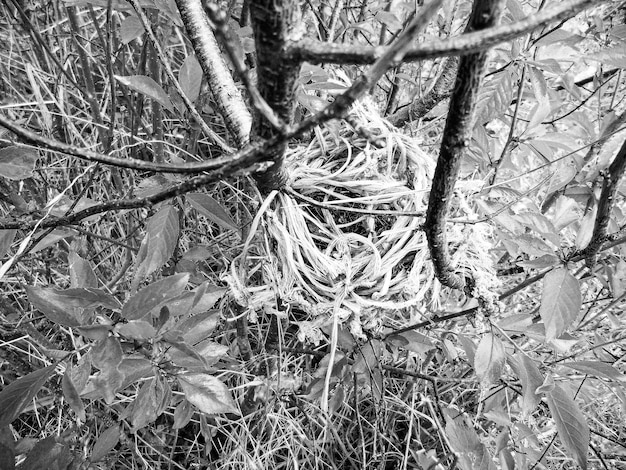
{"x": 157, "y": 247}
{"x": 131, "y": 28}
{"x": 596, "y": 368}
{"x": 145, "y": 406}
{"x": 154, "y": 296}
{"x": 531, "y": 379}
{"x": 190, "y": 77}
{"x": 106, "y": 443}
{"x": 15, "y": 396}
{"x": 211, "y": 209}
{"x": 560, "y": 302}
{"x": 17, "y": 163}
{"x": 81, "y": 272}
{"x": 71, "y": 395}
{"x": 139, "y": 330}
{"x": 50, "y": 453}
{"x": 489, "y": 359}
{"x": 182, "y": 414}
{"x": 208, "y": 393}
{"x": 147, "y": 86}
{"x": 570, "y": 424}
{"x": 107, "y": 354}
{"x": 6, "y": 239}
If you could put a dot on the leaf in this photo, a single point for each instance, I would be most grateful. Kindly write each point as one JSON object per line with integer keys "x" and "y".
{"x": 585, "y": 232}
{"x": 81, "y": 273}
{"x": 106, "y": 443}
{"x": 570, "y": 424}
{"x": 55, "y": 236}
{"x": 489, "y": 359}
{"x": 531, "y": 379}
{"x": 158, "y": 245}
{"x": 145, "y": 406}
{"x": 154, "y": 296}
{"x": 71, "y": 395}
{"x": 596, "y": 368}
{"x": 412, "y": 341}
{"x": 190, "y": 77}
{"x": 208, "y": 393}
{"x": 137, "y": 329}
{"x": 59, "y": 306}
{"x": 17, "y": 163}
{"x": 182, "y": 414}
{"x": 495, "y": 97}
{"x": 560, "y": 302}
{"x": 212, "y": 210}
{"x": 15, "y": 396}
{"x": 566, "y": 212}
{"x": 465, "y": 443}
{"x": 131, "y": 28}
{"x": 50, "y": 453}
{"x": 107, "y": 354}
{"x": 6, "y": 239}
{"x": 147, "y": 86}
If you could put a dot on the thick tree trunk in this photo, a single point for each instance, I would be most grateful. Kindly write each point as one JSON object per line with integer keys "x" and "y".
{"x": 275, "y": 22}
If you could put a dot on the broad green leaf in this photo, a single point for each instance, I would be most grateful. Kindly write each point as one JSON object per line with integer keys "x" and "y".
{"x": 154, "y": 296}
{"x": 538, "y": 83}
{"x": 566, "y": 212}
{"x": 53, "y": 237}
{"x": 465, "y": 443}
{"x": 17, "y": 163}
{"x": 182, "y": 414}
{"x": 495, "y": 96}
{"x": 530, "y": 378}
{"x": 71, "y": 395}
{"x": 596, "y": 368}
{"x": 145, "y": 406}
{"x": 81, "y": 273}
{"x": 15, "y": 396}
{"x": 489, "y": 359}
{"x": 199, "y": 327}
{"x": 156, "y": 249}
{"x": 137, "y": 329}
{"x": 208, "y": 393}
{"x": 131, "y": 28}
{"x": 411, "y": 341}
{"x": 105, "y": 443}
{"x": 212, "y": 210}
{"x": 107, "y": 354}
{"x": 560, "y": 302}
{"x": 50, "y": 453}
{"x": 570, "y": 424}
{"x": 53, "y": 305}
{"x": 190, "y": 77}
{"x": 6, "y": 239}
{"x": 585, "y": 232}
{"x": 147, "y": 86}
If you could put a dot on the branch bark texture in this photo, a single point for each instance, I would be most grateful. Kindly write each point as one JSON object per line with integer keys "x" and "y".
{"x": 275, "y": 22}
{"x": 456, "y": 140}
{"x": 228, "y": 99}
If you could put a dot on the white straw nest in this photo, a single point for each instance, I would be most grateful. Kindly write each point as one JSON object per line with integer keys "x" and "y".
{"x": 346, "y": 238}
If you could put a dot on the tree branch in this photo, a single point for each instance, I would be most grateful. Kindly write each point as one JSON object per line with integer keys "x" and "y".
{"x": 605, "y": 205}
{"x": 227, "y": 97}
{"x": 210, "y": 133}
{"x": 456, "y": 139}
{"x": 322, "y": 52}
{"x": 439, "y": 92}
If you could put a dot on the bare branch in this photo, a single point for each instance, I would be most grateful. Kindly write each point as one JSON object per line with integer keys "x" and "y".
{"x": 210, "y": 133}
{"x": 322, "y": 52}
{"x": 605, "y": 205}
{"x": 456, "y": 139}
{"x": 228, "y": 98}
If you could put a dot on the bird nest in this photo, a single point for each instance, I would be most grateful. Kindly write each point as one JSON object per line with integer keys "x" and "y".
{"x": 344, "y": 240}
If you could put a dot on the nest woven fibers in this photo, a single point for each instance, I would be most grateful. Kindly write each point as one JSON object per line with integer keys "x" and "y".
{"x": 344, "y": 241}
